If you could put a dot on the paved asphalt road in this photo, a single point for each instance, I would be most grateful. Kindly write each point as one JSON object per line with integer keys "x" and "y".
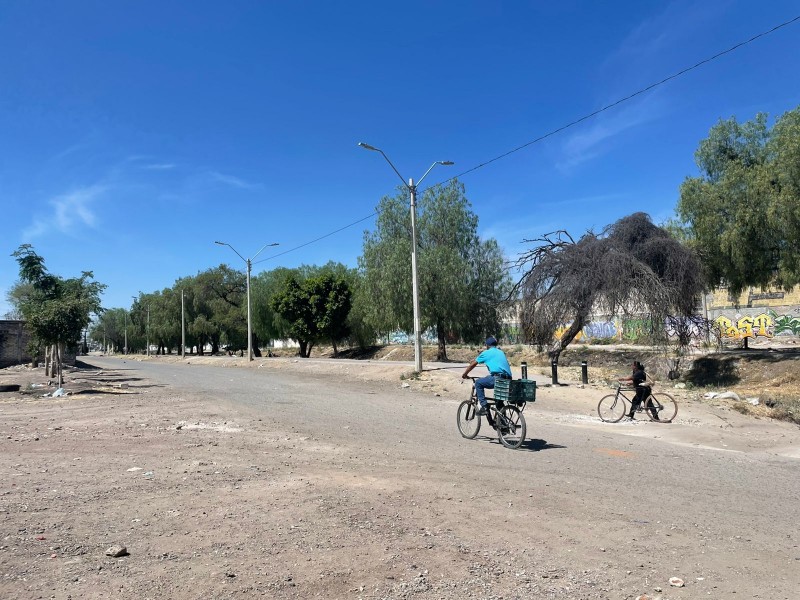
{"x": 706, "y": 513}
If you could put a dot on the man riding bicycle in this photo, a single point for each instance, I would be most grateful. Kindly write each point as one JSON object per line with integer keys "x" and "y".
{"x": 497, "y": 363}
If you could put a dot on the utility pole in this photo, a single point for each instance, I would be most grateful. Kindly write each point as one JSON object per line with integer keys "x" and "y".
{"x": 412, "y": 188}
{"x": 183, "y": 328}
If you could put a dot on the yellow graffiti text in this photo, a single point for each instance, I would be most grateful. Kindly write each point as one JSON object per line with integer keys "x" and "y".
{"x": 745, "y": 327}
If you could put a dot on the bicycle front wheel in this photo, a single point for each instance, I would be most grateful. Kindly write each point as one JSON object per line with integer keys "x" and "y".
{"x": 661, "y": 408}
{"x": 611, "y": 408}
{"x": 511, "y": 427}
{"x": 469, "y": 423}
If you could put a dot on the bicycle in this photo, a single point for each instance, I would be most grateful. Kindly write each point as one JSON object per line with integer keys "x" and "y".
{"x": 507, "y": 419}
{"x": 660, "y": 408}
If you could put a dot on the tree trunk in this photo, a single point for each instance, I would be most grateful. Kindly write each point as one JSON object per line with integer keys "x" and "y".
{"x": 53, "y": 361}
{"x": 256, "y": 349}
{"x": 335, "y": 350}
{"x": 560, "y": 345}
{"x": 441, "y": 352}
{"x": 47, "y": 360}
{"x": 303, "y": 345}
{"x": 57, "y": 358}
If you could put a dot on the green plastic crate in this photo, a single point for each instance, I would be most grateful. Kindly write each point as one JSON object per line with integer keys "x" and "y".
{"x": 515, "y": 391}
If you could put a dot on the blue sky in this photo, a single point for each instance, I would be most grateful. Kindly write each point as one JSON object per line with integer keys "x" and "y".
{"x": 135, "y": 134}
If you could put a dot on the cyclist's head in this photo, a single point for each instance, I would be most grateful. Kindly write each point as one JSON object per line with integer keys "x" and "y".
{"x": 637, "y": 365}
{"x": 491, "y": 341}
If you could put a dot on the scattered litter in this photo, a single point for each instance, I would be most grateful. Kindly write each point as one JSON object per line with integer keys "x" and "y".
{"x": 132, "y": 469}
{"x": 676, "y": 582}
{"x": 710, "y": 395}
{"x": 405, "y": 385}
{"x": 728, "y": 395}
{"x": 148, "y": 474}
{"x": 753, "y": 401}
{"x": 59, "y": 393}
{"x": 224, "y": 427}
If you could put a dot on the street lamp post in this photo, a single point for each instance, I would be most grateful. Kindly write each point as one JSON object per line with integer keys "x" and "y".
{"x": 183, "y": 328}
{"x": 249, "y": 263}
{"x": 412, "y": 189}
{"x": 125, "y": 348}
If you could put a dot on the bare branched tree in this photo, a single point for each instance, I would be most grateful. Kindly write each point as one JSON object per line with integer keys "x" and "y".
{"x": 633, "y": 266}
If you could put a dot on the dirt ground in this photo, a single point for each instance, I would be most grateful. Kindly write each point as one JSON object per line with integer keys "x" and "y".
{"x": 148, "y": 470}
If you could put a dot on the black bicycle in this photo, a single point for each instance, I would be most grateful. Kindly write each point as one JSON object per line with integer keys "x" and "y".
{"x": 660, "y": 408}
{"x": 507, "y": 419}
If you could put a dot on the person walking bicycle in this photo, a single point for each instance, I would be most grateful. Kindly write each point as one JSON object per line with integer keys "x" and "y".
{"x": 637, "y": 380}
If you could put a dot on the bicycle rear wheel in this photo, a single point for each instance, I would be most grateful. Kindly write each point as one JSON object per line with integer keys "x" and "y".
{"x": 469, "y": 423}
{"x": 661, "y": 407}
{"x": 611, "y": 408}
{"x": 511, "y": 427}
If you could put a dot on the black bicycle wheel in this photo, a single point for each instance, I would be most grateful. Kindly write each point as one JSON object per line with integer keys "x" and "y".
{"x": 511, "y": 427}
{"x": 469, "y": 423}
{"x": 661, "y": 407}
{"x": 611, "y": 408}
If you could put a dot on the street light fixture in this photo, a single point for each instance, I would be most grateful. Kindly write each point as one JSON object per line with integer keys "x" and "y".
{"x": 412, "y": 189}
{"x": 249, "y": 263}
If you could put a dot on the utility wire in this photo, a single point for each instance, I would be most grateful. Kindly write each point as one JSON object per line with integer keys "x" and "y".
{"x": 563, "y": 127}
{"x": 369, "y": 216}
{"x": 621, "y": 100}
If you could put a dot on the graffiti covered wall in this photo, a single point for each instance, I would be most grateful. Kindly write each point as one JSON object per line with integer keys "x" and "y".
{"x": 753, "y": 324}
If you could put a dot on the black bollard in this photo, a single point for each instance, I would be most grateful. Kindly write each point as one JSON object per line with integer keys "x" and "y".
{"x": 584, "y": 373}
{"x": 554, "y": 369}
{"x": 524, "y": 368}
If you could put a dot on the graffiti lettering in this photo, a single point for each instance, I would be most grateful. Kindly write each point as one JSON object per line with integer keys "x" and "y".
{"x": 745, "y": 326}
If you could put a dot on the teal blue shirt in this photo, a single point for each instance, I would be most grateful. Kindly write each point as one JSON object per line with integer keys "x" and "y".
{"x": 495, "y": 360}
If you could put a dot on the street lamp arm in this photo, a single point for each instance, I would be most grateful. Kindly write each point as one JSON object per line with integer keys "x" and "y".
{"x": 438, "y": 162}
{"x": 262, "y": 248}
{"x": 232, "y": 248}
{"x": 374, "y": 149}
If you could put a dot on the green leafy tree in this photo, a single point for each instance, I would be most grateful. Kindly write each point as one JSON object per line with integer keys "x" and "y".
{"x": 316, "y": 309}
{"x": 56, "y": 310}
{"x": 267, "y": 322}
{"x": 109, "y": 329}
{"x": 744, "y": 209}
{"x": 462, "y": 279}
{"x": 220, "y": 301}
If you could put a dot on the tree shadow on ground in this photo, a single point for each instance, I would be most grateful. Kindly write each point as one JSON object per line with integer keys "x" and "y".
{"x": 713, "y": 371}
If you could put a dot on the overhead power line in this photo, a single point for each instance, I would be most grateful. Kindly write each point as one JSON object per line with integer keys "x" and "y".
{"x": 567, "y": 126}
{"x": 369, "y": 216}
{"x": 621, "y": 100}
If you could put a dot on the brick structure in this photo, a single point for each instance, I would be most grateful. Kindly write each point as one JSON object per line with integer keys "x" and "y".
{"x": 13, "y": 343}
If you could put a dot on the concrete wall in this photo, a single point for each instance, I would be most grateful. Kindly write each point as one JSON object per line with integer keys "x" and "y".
{"x": 13, "y": 343}
{"x": 756, "y": 314}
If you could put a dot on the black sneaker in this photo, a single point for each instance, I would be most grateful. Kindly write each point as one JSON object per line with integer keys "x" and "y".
{"x": 481, "y": 412}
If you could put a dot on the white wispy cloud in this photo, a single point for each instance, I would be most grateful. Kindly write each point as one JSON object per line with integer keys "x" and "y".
{"x": 653, "y": 39}
{"x": 159, "y": 166}
{"x": 233, "y": 181}
{"x": 644, "y": 56}
{"x": 596, "y": 139}
{"x": 69, "y": 212}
